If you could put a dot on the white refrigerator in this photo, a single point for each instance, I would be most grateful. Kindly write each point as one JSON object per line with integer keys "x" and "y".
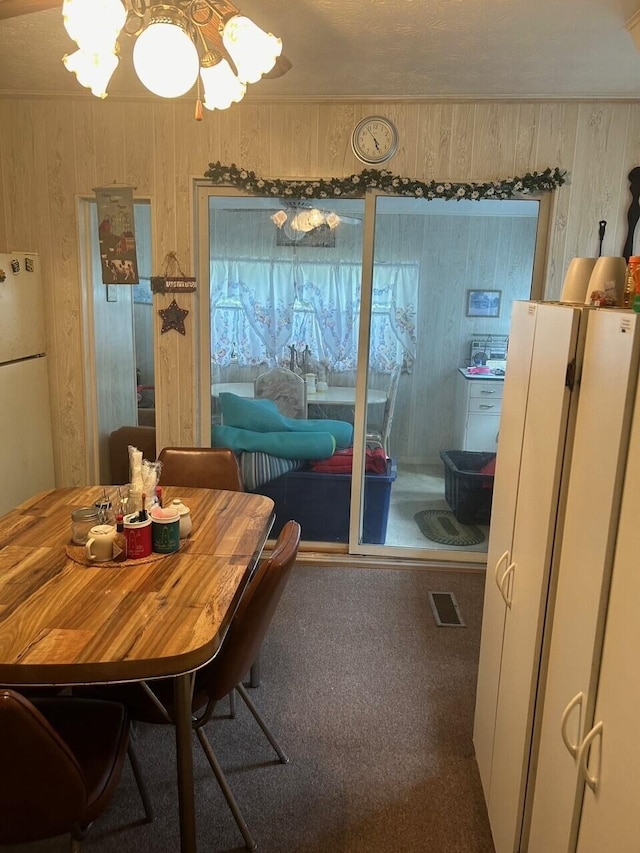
{"x": 26, "y": 450}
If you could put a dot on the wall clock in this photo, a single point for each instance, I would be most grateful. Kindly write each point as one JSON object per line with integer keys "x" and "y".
{"x": 374, "y": 140}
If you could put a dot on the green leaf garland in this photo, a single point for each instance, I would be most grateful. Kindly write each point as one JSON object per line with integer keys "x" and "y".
{"x": 374, "y": 179}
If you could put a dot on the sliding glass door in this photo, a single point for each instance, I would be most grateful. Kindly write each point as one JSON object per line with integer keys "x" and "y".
{"x": 393, "y": 313}
{"x": 439, "y": 281}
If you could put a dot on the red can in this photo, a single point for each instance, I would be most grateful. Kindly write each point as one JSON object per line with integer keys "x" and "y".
{"x": 138, "y": 535}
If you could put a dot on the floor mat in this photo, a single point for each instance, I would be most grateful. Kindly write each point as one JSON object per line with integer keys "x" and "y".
{"x": 441, "y": 525}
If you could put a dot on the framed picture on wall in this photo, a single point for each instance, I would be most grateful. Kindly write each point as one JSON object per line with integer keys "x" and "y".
{"x": 483, "y": 303}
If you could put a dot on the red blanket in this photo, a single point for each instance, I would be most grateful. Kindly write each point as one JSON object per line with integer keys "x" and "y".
{"x": 342, "y": 461}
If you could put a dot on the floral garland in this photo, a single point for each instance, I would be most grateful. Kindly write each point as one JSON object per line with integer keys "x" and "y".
{"x": 373, "y": 179}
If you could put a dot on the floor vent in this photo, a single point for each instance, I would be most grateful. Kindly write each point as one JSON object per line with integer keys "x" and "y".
{"x": 445, "y": 609}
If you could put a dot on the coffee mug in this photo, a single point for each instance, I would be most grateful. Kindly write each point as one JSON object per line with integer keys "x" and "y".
{"x": 99, "y": 547}
{"x": 165, "y": 525}
{"x": 138, "y": 536}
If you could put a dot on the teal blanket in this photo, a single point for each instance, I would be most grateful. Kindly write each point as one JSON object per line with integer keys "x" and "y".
{"x": 263, "y": 416}
{"x": 286, "y": 445}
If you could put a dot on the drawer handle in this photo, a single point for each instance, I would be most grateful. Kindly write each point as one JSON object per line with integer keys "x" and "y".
{"x": 487, "y": 392}
{"x": 487, "y": 406}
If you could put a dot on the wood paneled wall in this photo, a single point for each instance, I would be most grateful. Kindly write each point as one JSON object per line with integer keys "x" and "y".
{"x": 53, "y": 151}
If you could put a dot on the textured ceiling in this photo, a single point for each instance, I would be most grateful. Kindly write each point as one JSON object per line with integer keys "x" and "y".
{"x": 390, "y": 49}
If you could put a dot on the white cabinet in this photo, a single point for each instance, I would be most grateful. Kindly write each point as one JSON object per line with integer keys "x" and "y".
{"x": 556, "y": 736}
{"x": 576, "y": 632}
{"x": 477, "y": 416}
{"x": 610, "y": 818}
{"x": 526, "y": 492}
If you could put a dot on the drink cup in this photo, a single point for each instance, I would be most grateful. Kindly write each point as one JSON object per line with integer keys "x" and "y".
{"x": 165, "y": 530}
{"x": 99, "y": 547}
{"x": 138, "y": 536}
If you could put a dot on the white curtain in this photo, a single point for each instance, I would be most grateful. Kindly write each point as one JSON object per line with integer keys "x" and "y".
{"x": 259, "y": 308}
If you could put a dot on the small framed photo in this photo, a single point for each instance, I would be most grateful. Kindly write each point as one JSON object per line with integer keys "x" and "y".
{"x": 483, "y": 303}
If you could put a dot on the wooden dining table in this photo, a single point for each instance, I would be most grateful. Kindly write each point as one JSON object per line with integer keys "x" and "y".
{"x": 64, "y": 622}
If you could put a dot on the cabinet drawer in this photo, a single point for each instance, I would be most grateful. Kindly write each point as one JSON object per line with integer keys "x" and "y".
{"x": 489, "y": 405}
{"x": 492, "y": 390}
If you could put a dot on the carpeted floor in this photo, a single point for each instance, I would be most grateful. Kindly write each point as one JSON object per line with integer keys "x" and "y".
{"x": 373, "y": 704}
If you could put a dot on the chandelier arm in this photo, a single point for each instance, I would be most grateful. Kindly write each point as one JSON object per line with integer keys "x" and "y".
{"x": 204, "y": 11}
{"x": 139, "y": 7}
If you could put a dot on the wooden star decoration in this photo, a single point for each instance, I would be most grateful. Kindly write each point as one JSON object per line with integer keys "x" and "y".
{"x": 173, "y": 318}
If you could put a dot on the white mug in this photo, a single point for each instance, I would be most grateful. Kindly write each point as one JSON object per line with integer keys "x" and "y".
{"x": 310, "y": 379}
{"x": 99, "y": 547}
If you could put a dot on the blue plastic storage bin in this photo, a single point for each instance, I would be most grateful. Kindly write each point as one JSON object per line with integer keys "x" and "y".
{"x": 320, "y": 503}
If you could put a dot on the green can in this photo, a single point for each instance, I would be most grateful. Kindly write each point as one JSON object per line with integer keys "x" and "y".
{"x": 165, "y": 531}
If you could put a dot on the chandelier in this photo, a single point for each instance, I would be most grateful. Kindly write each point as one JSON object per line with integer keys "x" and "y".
{"x": 177, "y": 44}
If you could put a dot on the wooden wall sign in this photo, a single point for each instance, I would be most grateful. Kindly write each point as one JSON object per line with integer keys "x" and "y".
{"x": 182, "y": 284}
{"x": 173, "y": 280}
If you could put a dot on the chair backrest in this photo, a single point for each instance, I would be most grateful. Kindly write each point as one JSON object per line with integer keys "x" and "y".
{"x": 287, "y": 390}
{"x": 142, "y": 437}
{"x": 42, "y": 787}
{"x": 200, "y": 468}
{"x": 392, "y": 393}
{"x": 252, "y": 618}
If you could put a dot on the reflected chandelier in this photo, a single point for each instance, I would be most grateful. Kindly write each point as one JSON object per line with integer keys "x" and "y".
{"x": 300, "y": 218}
{"x": 178, "y": 43}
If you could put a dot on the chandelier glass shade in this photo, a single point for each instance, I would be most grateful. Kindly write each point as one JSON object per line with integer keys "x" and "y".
{"x": 95, "y": 26}
{"x": 253, "y": 51}
{"x": 178, "y": 70}
{"x": 92, "y": 71}
{"x": 178, "y": 43}
{"x": 221, "y": 86}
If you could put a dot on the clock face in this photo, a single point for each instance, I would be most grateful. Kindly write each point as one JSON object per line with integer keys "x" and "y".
{"x": 374, "y": 140}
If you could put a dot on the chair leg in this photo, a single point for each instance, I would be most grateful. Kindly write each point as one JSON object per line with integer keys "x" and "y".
{"x": 232, "y": 704}
{"x": 142, "y": 787}
{"x": 226, "y": 790}
{"x": 254, "y": 672}
{"x": 274, "y": 743}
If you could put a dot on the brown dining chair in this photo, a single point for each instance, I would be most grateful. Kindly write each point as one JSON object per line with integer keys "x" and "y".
{"x": 200, "y": 468}
{"x": 153, "y": 702}
{"x": 205, "y": 468}
{"x": 61, "y": 763}
{"x": 142, "y": 437}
